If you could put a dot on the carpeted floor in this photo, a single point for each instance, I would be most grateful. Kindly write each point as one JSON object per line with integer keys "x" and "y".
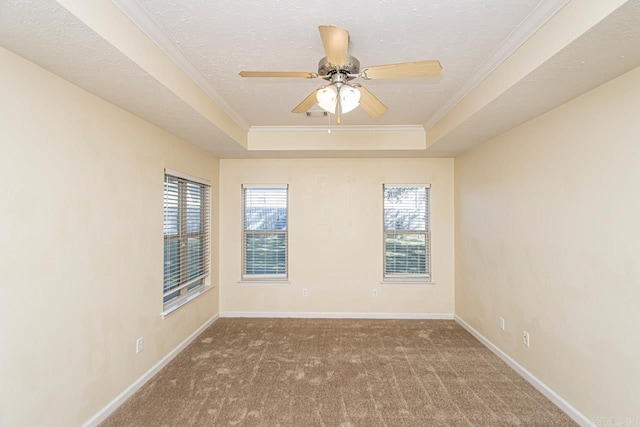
{"x": 330, "y": 372}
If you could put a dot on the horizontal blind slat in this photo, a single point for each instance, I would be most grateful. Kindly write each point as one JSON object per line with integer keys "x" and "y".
{"x": 265, "y": 231}
{"x": 187, "y": 235}
{"x": 407, "y": 246}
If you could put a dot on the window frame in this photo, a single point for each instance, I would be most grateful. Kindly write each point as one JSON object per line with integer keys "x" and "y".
{"x": 186, "y": 290}
{"x": 408, "y": 278}
{"x": 268, "y": 278}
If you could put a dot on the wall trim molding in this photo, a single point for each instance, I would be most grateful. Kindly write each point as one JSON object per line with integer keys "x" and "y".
{"x": 102, "y": 414}
{"x": 339, "y": 129}
{"x": 527, "y": 28}
{"x": 565, "y": 406}
{"x": 336, "y": 315}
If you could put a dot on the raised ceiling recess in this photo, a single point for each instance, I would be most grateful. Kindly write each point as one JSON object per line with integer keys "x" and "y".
{"x": 340, "y": 96}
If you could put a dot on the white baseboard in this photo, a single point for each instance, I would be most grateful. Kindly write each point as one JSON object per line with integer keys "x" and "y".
{"x": 336, "y": 315}
{"x": 565, "y": 406}
{"x": 129, "y": 391}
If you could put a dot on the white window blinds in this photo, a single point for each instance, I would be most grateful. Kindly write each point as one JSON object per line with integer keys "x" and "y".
{"x": 186, "y": 237}
{"x": 265, "y": 235}
{"x": 407, "y": 231}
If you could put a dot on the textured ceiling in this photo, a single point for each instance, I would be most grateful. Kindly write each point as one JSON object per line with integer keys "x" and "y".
{"x": 211, "y": 41}
{"x": 607, "y": 50}
{"x": 221, "y": 38}
{"x": 47, "y": 34}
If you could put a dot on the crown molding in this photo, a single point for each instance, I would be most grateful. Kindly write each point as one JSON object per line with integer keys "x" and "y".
{"x": 545, "y": 10}
{"x": 338, "y": 129}
{"x": 139, "y": 16}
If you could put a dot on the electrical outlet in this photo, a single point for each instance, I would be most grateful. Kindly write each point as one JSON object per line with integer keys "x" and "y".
{"x": 139, "y": 344}
{"x": 375, "y": 293}
{"x": 501, "y": 323}
{"x": 304, "y": 292}
{"x": 525, "y": 338}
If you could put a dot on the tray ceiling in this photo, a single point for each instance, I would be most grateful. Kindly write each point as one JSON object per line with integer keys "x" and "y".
{"x": 206, "y": 44}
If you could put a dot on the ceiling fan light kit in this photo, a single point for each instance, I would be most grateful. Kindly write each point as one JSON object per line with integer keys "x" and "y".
{"x": 328, "y": 98}
{"x": 338, "y": 97}
{"x": 338, "y": 68}
{"x": 349, "y": 98}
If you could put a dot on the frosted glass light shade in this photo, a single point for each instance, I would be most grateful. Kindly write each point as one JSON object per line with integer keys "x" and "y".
{"x": 349, "y": 98}
{"x": 328, "y": 98}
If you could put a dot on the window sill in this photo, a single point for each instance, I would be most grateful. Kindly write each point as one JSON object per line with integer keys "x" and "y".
{"x": 406, "y": 282}
{"x": 187, "y": 298}
{"x": 263, "y": 282}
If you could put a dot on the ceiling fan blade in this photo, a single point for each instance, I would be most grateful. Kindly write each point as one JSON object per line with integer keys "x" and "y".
{"x": 294, "y": 74}
{"x": 307, "y": 103}
{"x": 372, "y": 105}
{"x": 403, "y": 70}
{"x": 336, "y": 44}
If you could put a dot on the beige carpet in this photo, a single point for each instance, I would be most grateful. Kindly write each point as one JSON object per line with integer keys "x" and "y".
{"x": 326, "y": 372}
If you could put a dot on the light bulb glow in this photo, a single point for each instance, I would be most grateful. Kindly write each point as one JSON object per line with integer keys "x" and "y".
{"x": 328, "y": 98}
{"x": 349, "y": 98}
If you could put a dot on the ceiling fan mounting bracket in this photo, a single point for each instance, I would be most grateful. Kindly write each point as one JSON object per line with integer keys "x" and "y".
{"x": 349, "y": 71}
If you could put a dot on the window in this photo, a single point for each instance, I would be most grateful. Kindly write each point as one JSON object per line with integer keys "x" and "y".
{"x": 265, "y": 236}
{"x": 407, "y": 232}
{"x": 186, "y": 239}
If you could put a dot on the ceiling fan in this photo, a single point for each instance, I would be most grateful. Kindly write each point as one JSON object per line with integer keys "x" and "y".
{"x": 338, "y": 68}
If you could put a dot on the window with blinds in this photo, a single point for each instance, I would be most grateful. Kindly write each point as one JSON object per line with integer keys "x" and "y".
{"x": 407, "y": 231}
{"x": 265, "y": 235}
{"x": 186, "y": 238}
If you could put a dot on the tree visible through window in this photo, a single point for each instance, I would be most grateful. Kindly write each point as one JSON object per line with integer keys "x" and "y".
{"x": 407, "y": 231}
{"x": 265, "y": 232}
{"x": 186, "y": 238}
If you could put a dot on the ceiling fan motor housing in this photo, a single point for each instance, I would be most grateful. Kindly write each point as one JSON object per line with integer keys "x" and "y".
{"x": 349, "y": 71}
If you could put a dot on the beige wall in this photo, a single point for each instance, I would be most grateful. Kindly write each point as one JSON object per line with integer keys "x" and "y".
{"x": 335, "y": 236}
{"x": 548, "y": 236}
{"x": 81, "y": 248}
